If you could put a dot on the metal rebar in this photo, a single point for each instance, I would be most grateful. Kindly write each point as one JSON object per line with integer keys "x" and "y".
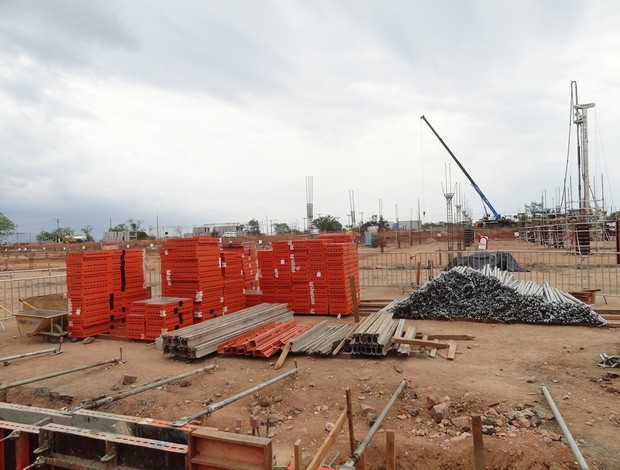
{"x": 221, "y": 404}
{"x": 355, "y": 456}
{"x": 569, "y": 438}
{"x": 111, "y": 398}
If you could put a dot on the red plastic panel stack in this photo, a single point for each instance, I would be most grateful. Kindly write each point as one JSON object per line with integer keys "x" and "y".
{"x": 342, "y": 263}
{"x": 100, "y": 286}
{"x": 151, "y": 318}
{"x": 191, "y": 268}
{"x": 312, "y": 276}
{"x": 234, "y": 279}
{"x": 250, "y": 266}
{"x": 268, "y": 282}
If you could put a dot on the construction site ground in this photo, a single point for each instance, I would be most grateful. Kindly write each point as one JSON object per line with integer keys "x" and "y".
{"x": 500, "y": 370}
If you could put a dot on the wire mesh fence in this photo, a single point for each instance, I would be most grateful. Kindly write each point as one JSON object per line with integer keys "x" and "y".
{"x": 567, "y": 271}
{"x": 564, "y": 270}
{"x": 29, "y": 283}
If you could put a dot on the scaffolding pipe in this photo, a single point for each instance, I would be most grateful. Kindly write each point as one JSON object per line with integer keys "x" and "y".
{"x": 144, "y": 388}
{"x": 30, "y": 354}
{"x": 221, "y": 404}
{"x": 569, "y": 438}
{"x": 357, "y": 455}
{"x": 56, "y": 374}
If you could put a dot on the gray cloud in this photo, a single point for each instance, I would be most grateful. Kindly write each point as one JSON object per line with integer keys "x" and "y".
{"x": 210, "y": 111}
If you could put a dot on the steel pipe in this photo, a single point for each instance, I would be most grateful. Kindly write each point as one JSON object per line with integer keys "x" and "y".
{"x": 56, "y": 374}
{"x": 569, "y": 438}
{"x": 221, "y": 404}
{"x": 357, "y": 455}
{"x": 30, "y": 354}
{"x": 111, "y": 398}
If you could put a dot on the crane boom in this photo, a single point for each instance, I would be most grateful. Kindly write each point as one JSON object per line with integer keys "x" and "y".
{"x": 496, "y": 215}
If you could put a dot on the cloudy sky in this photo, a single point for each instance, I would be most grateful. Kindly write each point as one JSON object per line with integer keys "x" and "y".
{"x": 196, "y": 112}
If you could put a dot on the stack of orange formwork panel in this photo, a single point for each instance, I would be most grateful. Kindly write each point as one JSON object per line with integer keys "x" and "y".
{"x": 191, "y": 268}
{"x": 251, "y": 274}
{"x": 312, "y": 276}
{"x": 309, "y": 288}
{"x": 266, "y": 273}
{"x": 100, "y": 287}
{"x": 152, "y": 318}
{"x": 234, "y": 279}
{"x": 341, "y": 265}
{"x": 282, "y": 271}
{"x": 132, "y": 288}
{"x": 250, "y": 266}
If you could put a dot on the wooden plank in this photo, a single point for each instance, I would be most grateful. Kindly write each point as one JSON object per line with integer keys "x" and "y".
{"x": 298, "y": 455}
{"x": 451, "y": 350}
{"x": 446, "y": 337}
{"x": 610, "y": 316}
{"x": 433, "y": 352}
{"x": 341, "y": 345}
{"x": 356, "y": 315}
{"x": 350, "y": 419}
{"x": 421, "y": 342}
{"x": 405, "y": 349}
{"x": 390, "y": 451}
{"x": 327, "y": 443}
{"x": 614, "y": 324}
{"x": 283, "y": 355}
{"x": 222, "y": 450}
{"x": 361, "y": 463}
{"x": 476, "y": 429}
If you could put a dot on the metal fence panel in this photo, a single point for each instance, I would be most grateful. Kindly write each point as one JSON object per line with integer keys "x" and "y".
{"x": 14, "y": 289}
{"x": 386, "y": 270}
{"x": 564, "y": 270}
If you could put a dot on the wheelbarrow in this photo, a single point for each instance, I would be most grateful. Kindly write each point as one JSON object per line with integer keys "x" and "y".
{"x": 48, "y": 323}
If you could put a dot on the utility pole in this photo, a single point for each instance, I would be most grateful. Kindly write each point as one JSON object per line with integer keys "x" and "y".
{"x": 57, "y": 230}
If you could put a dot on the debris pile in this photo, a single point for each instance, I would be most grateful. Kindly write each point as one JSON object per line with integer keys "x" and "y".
{"x": 609, "y": 361}
{"x": 491, "y": 294}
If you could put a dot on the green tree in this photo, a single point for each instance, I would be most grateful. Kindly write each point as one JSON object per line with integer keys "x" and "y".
{"x": 56, "y": 236}
{"x": 135, "y": 226}
{"x": 327, "y": 223}
{"x": 87, "y": 230}
{"x": 281, "y": 228}
{"x": 7, "y": 227}
{"x": 534, "y": 209}
{"x": 254, "y": 227}
{"x": 119, "y": 228}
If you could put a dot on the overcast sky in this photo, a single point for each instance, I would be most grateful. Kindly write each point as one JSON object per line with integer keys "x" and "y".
{"x": 197, "y": 112}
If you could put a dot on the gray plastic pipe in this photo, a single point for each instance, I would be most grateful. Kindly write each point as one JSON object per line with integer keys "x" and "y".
{"x": 569, "y": 438}
{"x": 221, "y": 404}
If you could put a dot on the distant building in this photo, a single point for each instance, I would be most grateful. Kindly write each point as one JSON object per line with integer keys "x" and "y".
{"x": 220, "y": 230}
{"x": 116, "y": 237}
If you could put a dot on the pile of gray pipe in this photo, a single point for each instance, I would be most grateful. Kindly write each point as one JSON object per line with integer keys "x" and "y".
{"x": 494, "y": 295}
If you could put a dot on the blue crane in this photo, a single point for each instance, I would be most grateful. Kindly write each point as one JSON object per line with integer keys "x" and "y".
{"x": 496, "y": 215}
